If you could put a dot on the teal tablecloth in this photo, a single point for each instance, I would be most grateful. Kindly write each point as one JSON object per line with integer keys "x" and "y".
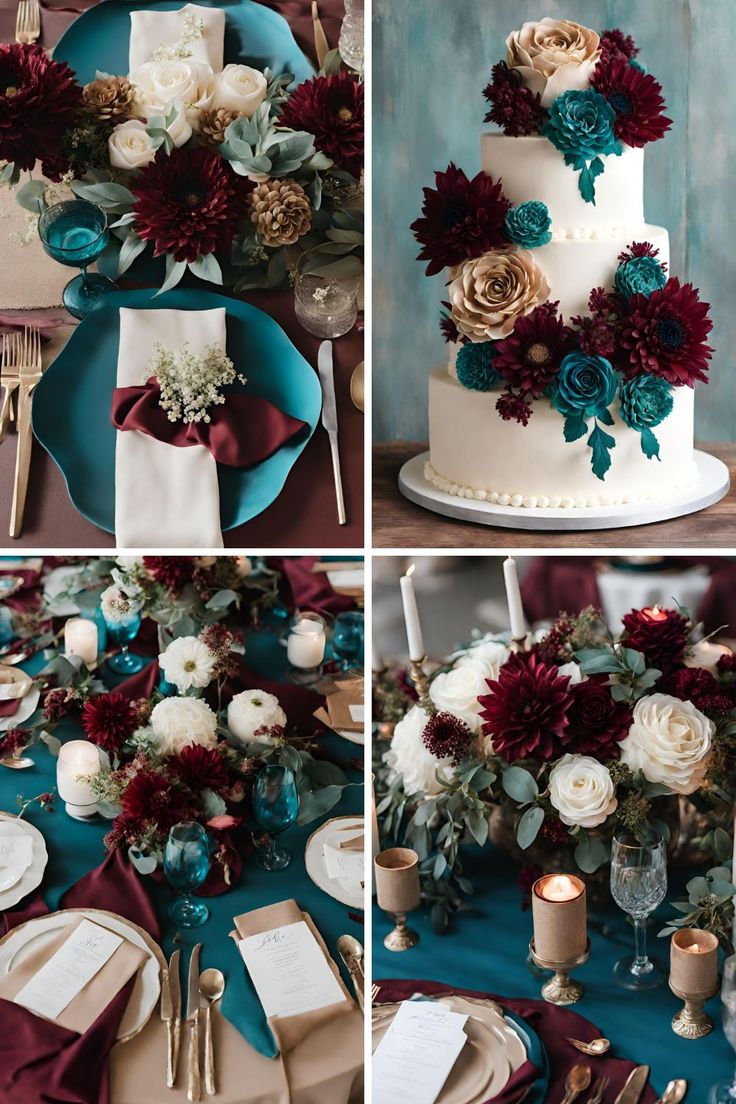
{"x": 488, "y": 951}
{"x": 75, "y": 848}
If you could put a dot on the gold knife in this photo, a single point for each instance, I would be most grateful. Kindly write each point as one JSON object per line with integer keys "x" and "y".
{"x": 194, "y": 1087}
{"x": 634, "y": 1087}
{"x": 171, "y": 1014}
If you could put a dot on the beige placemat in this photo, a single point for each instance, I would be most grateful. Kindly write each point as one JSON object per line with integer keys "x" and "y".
{"x": 28, "y": 277}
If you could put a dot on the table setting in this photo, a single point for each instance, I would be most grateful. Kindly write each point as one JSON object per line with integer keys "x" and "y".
{"x": 208, "y": 189}
{"x": 162, "y": 934}
{"x": 553, "y": 847}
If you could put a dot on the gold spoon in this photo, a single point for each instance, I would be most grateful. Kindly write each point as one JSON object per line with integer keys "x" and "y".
{"x": 674, "y": 1093}
{"x": 211, "y": 986}
{"x": 13, "y": 763}
{"x": 594, "y": 1048}
{"x": 576, "y": 1082}
{"x": 357, "y": 387}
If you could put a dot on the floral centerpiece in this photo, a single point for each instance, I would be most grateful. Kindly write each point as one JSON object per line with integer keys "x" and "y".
{"x": 232, "y": 175}
{"x": 559, "y": 745}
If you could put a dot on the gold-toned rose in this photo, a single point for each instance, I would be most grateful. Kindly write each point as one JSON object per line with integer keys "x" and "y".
{"x": 553, "y": 55}
{"x": 489, "y": 293}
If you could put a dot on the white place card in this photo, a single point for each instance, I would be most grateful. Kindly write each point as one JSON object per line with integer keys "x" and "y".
{"x": 16, "y": 851}
{"x": 347, "y": 578}
{"x": 417, "y": 1053}
{"x": 66, "y": 973}
{"x": 10, "y": 691}
{"x": 357, "y": 713}
{"x": 289, "y": 970}
{"x": 347, "y": 865}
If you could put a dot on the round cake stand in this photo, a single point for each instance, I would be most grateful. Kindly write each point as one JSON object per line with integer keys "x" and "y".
{"x": 712, "y": 484}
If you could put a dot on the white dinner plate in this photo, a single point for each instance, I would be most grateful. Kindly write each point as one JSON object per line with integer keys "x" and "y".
{"x": 34, "y": 934}
{"x": 348, "y": 893}
{"x": 30, "y": 878}
{"x": 26, "y": 708}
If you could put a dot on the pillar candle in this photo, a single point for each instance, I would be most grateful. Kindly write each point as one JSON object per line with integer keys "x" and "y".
{"x": 305, "y": 646}
{"x": 513, "y": 597}
{"x": 80, "y": 639}
{"x": 559, "y": 912}
{"x": 706, "y": 654}
{"x": 397, "y": 879}
{"x": 77, "y": 757}
{"x": 411, "y": 616}
{"x": 694, "y": 962}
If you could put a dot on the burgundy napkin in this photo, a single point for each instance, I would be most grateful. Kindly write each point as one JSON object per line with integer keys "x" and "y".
{"x": 244, "y": 430}
{"x": 29, "y": 596}
{"x": 142, "y": 684}
{"x": 552, "y": 1025}
{"x": 115, "y": 886}
{"x": 10, "y": 707}
{"x": 310, "y": 591}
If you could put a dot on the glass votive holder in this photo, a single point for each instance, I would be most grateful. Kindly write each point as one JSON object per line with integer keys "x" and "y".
{"x": 305, "y": 647}
{"x": 398, "y": 892}
{"x": 78, "y": 759}
{"x": 326, "y": 306}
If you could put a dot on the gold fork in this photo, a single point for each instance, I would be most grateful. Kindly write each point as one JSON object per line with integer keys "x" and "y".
{"x": 31, "y": 369}
{"x": 9, "y": 379}
{"x": 27, "y": 22}
{"x": 599, "y": 1090}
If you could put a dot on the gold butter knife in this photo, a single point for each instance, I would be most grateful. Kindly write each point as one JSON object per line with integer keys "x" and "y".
{"x": 171, "y": 1015}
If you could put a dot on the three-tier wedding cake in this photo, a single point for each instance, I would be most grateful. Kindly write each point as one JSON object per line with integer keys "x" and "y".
{"x": 574, "y": 352}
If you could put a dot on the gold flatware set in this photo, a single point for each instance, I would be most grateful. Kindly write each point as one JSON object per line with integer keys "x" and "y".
{"x": 208, "y": 986}
{"x": 28, "y": 22}
{"x": 21, "y": 368}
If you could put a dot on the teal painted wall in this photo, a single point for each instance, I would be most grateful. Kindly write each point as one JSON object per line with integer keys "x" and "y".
{"x": 431, "y": 60}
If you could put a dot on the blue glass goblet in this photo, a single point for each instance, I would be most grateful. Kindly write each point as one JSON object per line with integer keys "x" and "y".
{"x": 75, "y": 233}
{"x": 123, "y": 631}
{"x": 347, "y": 637}
{"x": 186, "y": 865}
{"x": 275, "y": 807}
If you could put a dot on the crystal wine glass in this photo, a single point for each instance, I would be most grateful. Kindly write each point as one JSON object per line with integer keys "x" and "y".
{"x": 75, "y": 233}
{"x": 347, "y": 637}
{"x": 638, "y": 886}
{"x": 186, "y": 864}
{"x": 275, "y": 807}
{"x": 725, "y": 1091}
{"x": 123, "y": 630}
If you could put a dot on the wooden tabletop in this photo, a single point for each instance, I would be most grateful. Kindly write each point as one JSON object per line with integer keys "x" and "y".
{"x": 398, "y": 523}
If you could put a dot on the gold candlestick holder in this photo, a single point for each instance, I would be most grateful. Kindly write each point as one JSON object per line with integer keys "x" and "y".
{"x": 418, "y": 677}
{"x": 561, "y": 988}
{"x": 692, "y": 1021}
{"x": 400, "y": 938}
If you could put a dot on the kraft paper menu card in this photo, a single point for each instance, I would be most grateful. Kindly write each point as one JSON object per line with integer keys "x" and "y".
{"x": 289, "y": 971}
{"x": 346, "y": 707}
{"x": 416, "y": 1055}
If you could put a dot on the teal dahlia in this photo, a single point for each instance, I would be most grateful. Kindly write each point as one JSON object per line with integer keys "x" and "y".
{"x": 528, "y": 224}
{"x": 475, "y": 366}
{"x": 644, "y": 402}
{"x": 640, "y": 276}
{"x": 581, "y": 126}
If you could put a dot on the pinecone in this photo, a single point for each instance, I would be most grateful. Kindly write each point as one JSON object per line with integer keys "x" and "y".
{"x": 110, "y": 98}
{"x": 280, "y": 211}
{"x": 213, "y": 124}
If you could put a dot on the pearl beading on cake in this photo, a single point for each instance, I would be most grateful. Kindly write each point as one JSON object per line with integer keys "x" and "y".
{"x": 529, "y": 502}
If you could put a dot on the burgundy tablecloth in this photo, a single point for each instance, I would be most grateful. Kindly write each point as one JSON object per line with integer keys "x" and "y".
{"x": 304, "y": 515}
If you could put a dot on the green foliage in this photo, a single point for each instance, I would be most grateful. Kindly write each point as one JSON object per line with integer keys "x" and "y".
{"x": 256, "y": 145}
{"x": 709, "y": 906}
{"x": 633, "y": 679}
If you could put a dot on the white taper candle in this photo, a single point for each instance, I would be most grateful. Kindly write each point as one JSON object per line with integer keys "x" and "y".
{"x": 513, "y": 597}
{"x": 411, "y": 616}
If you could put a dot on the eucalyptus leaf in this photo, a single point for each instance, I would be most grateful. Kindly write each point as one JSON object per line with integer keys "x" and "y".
{"x": 722, "y": 845}
{"x": 207, "y": 268}
{"x": 31, "y": 197}
{"x": 174, "y": 272}
{"x": 528, "y": 827}
{"x": 519, "y": 784}
{"x": 478, "y": 826}
{"x": 316, "y": 804}
{"x": 222, "y": 600}
{"x": 144, "y": 864}
{"x": 131, "y": 248}
{"x": 591, "y": 853}
{"x": 213, "y": 804}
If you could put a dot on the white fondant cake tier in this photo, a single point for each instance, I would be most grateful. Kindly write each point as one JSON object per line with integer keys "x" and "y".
{"x": 475, "y": 454}
{"x": 532, "y": 168}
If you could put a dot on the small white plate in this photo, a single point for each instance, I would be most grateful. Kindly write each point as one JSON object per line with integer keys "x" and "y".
{"x": 28, "y": 937}
{"x": 314, "y": 859}
{"x": 31, "y": 877}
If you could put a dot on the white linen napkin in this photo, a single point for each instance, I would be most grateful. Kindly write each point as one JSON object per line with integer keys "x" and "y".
{"x": 151, "y": 29}
{"x": 165, "y": 496}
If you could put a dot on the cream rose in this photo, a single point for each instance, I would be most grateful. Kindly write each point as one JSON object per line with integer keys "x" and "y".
{"x": 129, "y": 146}
{"x": 457, "y": 692}
{"x": 489, "y": 293}
{"x": 409, "y": 757}
{"x": 670, "y": 742}
{"x": 240, "y": 88}
{"x": 488, "y": 656}
{"x": 253, "y": 715}
{"x": 161, "y": 82}
{"x": 582, "y": 791}
{"x": 573, "y": 672}
{"x": 553, "y": 55}
{"x": 180, "y": 722}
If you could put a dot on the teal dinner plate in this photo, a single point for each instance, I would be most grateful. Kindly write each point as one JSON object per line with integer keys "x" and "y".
{"x": 72, "y": 402}
{"x": 254, "y": 35}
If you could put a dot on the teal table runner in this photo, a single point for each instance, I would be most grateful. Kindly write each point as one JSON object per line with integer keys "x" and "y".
{"x": 487, "y": 950}
{"x": 76, "y": 848}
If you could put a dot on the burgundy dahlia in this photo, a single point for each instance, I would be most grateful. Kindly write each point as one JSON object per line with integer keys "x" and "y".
{"x": 615, "y": 43}
{"x": 666, "y": 335}
{"x": 530, "y": 357}
{"x": 526, "y": 711}
{"x": 639, "y": 249}
{"x": 661, "y": 635}
{"x": 189, "y": 203}
{"x": 513, "y": 408}
{"x": 596, "y": 723}
{"x": 39, "y": 102}
{"x": 109, "y": 720}
{"x": 201, "y": 768}
{"x": 514, "y": 108}
{"x": 636, "y": 98}
{"x": 330, "y": 109}
{"x": 150, "y": 798}
{"x": 448, "y": 326}
{"x": 446, "y": 735}
{"x": 173, "y": 572}
{"x": 727, "y": 664}
{"x": 461, "y": 219}
{"x": 700, "y": 687}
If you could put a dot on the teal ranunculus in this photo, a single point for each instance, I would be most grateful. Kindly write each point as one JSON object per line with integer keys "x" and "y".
{"x": 581, "y": 126}
{"x": 528, "y": 224}
{"x": 475, "y": 366}
{"x": 644, "y": 402}
{"x": 585, "y": 386}
{"x": 640, "y": 276}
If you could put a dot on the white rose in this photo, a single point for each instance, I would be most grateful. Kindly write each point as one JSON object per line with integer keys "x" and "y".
{"x": 181, "y": 722}
{"x": 129, "y": 146}
{"x": 457, "y": 692}
{"x": 582, "y": 791}
{"x": 179, "y": 129}
{"x": 573, "y": 672}
{"x": 253, "y": 714}
{"x": 670, "y": 742}
{"x": 161, "y": 82}
{"x": 240, "y": 88}
{"x": 187, "y": 662}
{"x": 488, "y": 656}
{"x": 409, "y": 757}
{"x": 553, "y": 55}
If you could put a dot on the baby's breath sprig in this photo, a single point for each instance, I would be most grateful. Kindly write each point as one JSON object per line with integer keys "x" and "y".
{"x": 193, "y": 29}
{"x": 191, "y": 383}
